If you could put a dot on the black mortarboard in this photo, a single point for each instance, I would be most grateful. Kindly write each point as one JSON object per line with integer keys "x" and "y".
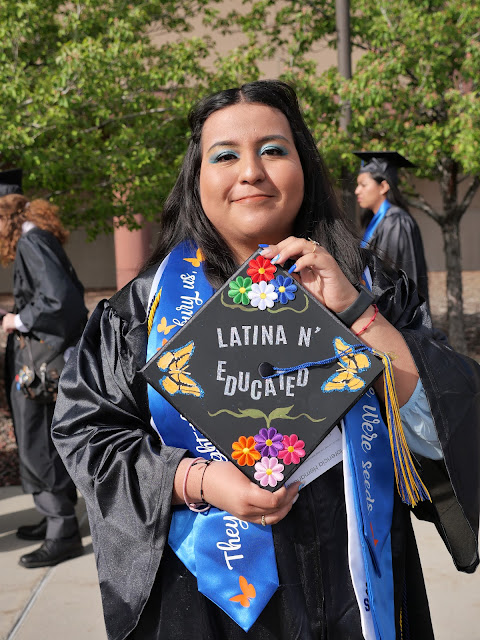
{"x": 10, "y": 182}
{"x": 386, "y": 163}
{"x": 213, "y": 369}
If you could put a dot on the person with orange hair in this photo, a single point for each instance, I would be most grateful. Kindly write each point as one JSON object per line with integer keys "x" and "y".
{"x": 50, "y": 313}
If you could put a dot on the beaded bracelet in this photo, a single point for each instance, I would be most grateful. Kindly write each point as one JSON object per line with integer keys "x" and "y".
{"x": 198, "y": 507}
{"x": 375, "y": 313}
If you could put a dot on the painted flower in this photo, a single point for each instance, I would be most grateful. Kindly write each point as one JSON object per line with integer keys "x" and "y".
{"x": 262, "y": 295}
{"x": 244, "y": 451}
{"x": 261, "y": 270}
{"x": 269, "y": 442}
{"x": 294, "y": 449}
{"x": 238, "y": 290}
{"x": 269, "y": 471}
{"x": 285, "y": 288}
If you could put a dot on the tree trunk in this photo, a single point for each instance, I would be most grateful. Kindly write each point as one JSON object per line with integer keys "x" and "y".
{"x": 456, "y": 323}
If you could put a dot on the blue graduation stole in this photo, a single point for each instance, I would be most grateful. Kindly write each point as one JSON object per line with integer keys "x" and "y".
{"x": 368, "y": 450}
{"x": 374, "y": 222}
{"x": 233, "y": 560}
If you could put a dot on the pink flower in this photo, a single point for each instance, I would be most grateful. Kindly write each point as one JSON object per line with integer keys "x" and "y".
{"x": 269, "y": 471}
{"x": 293, "y": 449}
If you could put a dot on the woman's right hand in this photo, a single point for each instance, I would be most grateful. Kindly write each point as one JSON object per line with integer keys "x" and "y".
{"x": 228, "y": 489}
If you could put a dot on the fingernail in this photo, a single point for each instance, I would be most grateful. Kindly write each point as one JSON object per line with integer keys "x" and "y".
{"x": 292, "y": 268}
{"x": 301, "y": 486}
{"x": 263, "y": 246}
{"x": 273, "y": 260}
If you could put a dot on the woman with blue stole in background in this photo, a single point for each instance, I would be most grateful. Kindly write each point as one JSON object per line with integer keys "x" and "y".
{"x": 155, "y": 490}
{"x": 387, "y": 226}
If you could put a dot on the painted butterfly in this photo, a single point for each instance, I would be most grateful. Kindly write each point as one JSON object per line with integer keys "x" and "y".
{"x": 346, "y": 378}
{"x": 177, "y": 378}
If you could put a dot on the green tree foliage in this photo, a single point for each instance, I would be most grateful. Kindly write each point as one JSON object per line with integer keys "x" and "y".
{"x": 93, "y": 111}
{"x": 96, "y": 114}
{"x": 415, "y": 89}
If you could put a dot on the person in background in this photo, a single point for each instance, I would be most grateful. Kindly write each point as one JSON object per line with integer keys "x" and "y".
{"x": 387, "y": 226}
{"x": 10, "y": 182}
{"x": 49, "y": 307}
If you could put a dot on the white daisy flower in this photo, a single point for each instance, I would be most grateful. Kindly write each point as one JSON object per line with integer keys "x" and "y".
{"x": 262, "y": 295}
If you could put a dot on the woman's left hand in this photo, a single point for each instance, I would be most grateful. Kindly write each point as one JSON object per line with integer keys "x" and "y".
{"x": 8, "y": 323}
{"x": 319, "y": 272}
{"x": 316, "y": 269}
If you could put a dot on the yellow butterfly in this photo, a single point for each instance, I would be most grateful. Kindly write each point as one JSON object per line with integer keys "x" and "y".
{"x": 177, "y": 378}
{"x": 346, "y": 378}
{"x": 248, "y": 593}
{"x": 196, "y": 261}
{"x": 162, "y": 326}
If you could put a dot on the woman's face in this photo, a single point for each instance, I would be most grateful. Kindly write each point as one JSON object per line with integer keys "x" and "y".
{"x": 251, "y": 178}
{"x": 370, "y": 194}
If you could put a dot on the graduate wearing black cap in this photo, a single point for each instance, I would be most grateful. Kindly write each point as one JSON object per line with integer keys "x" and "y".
{"x": 10, "y": 182}
{"x": 388, "y": 227}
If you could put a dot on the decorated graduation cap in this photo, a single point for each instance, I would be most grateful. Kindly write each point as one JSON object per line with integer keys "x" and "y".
{"x": 386, "y": 163}
{"x": 263, "y": 371}
{"x": 10, "y": 182}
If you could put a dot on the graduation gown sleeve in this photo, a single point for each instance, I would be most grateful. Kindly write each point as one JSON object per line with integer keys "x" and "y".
{"x": 48, "y": 296}
{"x": 398, "y": 238}
{"x": 102, "y": 432}
{"x": 452, "y": 383}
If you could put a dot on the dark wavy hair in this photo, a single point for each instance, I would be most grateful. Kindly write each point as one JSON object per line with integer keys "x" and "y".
{"x": 393, "y": 196}
{"x": 319, "y": 216}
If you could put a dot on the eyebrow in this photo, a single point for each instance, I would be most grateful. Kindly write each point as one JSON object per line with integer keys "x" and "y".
{"x": 232, "y": 143}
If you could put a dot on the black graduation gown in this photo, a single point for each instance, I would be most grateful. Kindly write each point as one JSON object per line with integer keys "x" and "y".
{"x": 49, "y": 298}
{"x": 101, "y": 428}
{"x": 398, "y": 238}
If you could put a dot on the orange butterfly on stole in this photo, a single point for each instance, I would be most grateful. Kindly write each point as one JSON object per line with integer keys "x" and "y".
{"x": 197, "y": 260}
{"x": 248, "y": 593}
{"x": 163, "y": 327}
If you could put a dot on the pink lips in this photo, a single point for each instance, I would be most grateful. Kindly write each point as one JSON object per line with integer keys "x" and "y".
{"x": 252, "y": 198}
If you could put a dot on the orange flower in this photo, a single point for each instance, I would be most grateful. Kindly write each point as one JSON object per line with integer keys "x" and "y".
{"x": 244, "y": 451}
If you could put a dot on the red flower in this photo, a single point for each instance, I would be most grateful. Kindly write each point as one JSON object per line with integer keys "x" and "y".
{"x": 293, "y": 451}
{"x": 261, "y": 269}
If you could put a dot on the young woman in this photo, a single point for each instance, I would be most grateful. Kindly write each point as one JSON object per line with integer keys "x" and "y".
{"x": 48, "y": 308}
{"x": 388, "y": 228}
{"x": 252, "y": 175}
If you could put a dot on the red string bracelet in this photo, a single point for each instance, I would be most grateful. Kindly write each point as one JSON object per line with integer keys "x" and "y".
{"x": 370, "y": 321}
{"x": 198, "y": 507}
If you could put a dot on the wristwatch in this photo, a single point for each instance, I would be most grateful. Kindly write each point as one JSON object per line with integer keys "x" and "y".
{"x": 358, "y": 306}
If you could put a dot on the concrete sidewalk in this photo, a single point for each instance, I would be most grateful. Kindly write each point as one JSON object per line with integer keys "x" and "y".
{"x": 63, "y": 602}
